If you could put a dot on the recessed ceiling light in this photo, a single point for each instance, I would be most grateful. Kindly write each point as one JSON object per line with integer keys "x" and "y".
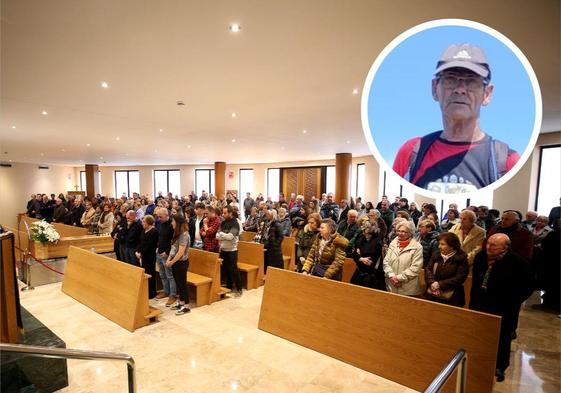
{"x": 155, "y": 150}
{"x": 44, "y": 113}
{"x": 88, "y": 144}
{"x": 105, "y": 85}
{"x": 348, "y": 142}
{"x": 234, "y": 114}
{"x": 304, "y": 131}
{"x": 10, "y": 160}
{"x": 80, "y": 160}
{"x": 161, "y": 130}
{"x": 127, "y": 154}
{"x": 42, "y": 154}
{"x": 188, "y": 146}
{"x": 101, "y": 158}
{"x": 355, "y": 91}
{"x": 233, "y": 141}
{"x": 118, "y": 138}
{"x": 235, "y": 28}
{"x": 13, "y": 127}
{"x": 62, "y": 149}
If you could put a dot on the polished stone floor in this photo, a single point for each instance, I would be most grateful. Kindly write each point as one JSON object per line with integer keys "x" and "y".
{"x": 218, "y": 348}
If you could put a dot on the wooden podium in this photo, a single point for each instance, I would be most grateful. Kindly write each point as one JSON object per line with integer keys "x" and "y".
{"x": 114, "y": 289}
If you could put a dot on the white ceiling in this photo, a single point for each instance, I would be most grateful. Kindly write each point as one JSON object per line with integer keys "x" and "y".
{"x": 293, "y": 66}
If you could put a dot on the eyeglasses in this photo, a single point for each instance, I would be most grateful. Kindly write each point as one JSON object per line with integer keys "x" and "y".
{"x": 451, "y": 81}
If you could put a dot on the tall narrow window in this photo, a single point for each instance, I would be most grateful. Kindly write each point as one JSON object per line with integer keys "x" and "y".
{"x": 166, "y": 181}
{"x": 360, "y": 177}
{"x": 127, "y": 183}
{"x": 273, "y": 183}
{"x": 330, "y": 180}
{"x": 204, "y": 181}
{"x": 83, "y": 180}
{"x": 393, "y": 186}
{"x": 549, "y": 184}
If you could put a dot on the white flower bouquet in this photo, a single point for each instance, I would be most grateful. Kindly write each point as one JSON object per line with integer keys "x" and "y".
{"x": 44, "y": 232}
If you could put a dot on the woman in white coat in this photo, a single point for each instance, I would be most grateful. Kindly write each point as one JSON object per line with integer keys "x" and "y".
{"x": 404, "y": 261}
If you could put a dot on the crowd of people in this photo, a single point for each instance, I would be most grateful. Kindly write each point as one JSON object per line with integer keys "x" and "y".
{"x": 397, "y": 246}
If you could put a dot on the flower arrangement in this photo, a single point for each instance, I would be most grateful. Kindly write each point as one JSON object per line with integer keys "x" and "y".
{"x": 44, "y": 232}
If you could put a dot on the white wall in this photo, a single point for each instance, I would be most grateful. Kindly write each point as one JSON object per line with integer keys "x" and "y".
{"x": 18, "y": 182}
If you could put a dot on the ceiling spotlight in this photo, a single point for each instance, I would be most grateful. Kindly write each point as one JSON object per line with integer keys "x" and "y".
{"x": 233, "y": 141}
{"x": 155, "y": 150}
{"x": 105, "y": 85}
{"x": 13, "y": 127}
{"x": 348, "y": 142}
{"x": 188, "y": 146}
{"x": 63, "y": 150}
{"x": 235, "y": 28}
{"x": 355, "y": 91}
{"x": 42, "y": 154}
{"x": 44, "y": 113}
{"x": 161, "y": 130}
{"x": 234, "y": 114}
{"x": 10, "y": 160}
{"x": 101, "y": 158}
{"x": 118, "y": 138}
{"x": 88, "y": 144}
{"x": 304, "y": 131}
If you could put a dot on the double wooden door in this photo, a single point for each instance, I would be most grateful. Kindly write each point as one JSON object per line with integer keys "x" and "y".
{"x": 302, "y": 181}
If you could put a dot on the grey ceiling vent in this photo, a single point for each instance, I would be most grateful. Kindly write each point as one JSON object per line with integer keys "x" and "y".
{"x": 4, "y": 165}
{"x": 43, "y": 167}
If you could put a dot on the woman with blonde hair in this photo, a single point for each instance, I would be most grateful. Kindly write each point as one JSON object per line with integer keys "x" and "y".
{"x": 106, "y": 220}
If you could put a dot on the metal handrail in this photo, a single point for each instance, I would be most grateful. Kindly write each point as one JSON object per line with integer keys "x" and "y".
{"x": 459, "y": 362}
{"x": 63, "y": 353}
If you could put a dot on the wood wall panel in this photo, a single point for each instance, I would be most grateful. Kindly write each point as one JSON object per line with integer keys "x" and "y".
{"x": 403, "y": 339}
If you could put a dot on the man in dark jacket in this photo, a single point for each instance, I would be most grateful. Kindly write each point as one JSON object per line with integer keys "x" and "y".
{"x": 248, "y": 203}
{"x": 520, "y": 238}
{"x": 76, "y": 212}
{"x": 228, "y": 236}
{"x": 196, "y": 226}
{"x": 133, "y": 238}
{"x": 386, "y": 214}
{"x": 349, "y": 228}
{"x": 501, "y": 282}
{"x": 428, "y": 237}
{"x": 330, "y": 209}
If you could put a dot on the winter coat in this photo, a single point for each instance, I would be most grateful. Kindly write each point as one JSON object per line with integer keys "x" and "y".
{"x": 285, "y": 225}
{"x": 430, "y": 245}
{"x": 273, "y": 244}
{"x": 472, "y": 243}
{"x": 305, "y": 239}
{"x": 404, "y": 264}
{"x": 450, "y": 275}
{"x": 332, "y": 256}
{"x": 369, "y": 276}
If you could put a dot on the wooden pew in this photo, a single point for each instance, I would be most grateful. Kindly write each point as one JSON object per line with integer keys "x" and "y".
{"x": 247, "y": 236}
{"x": 114, "y": 289}
{"x": 204, "y": 275}
{"x": 251, "y": 262}
{"x": 349, "y": 268}
{"x": 404, "y": 339}
{"x": 62, "y": 229}
{"x": 288, "y": 246}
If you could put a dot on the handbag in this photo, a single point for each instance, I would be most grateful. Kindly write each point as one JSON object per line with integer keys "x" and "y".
{"x": 318, "y": 269}
{"x": 444, "y": 295}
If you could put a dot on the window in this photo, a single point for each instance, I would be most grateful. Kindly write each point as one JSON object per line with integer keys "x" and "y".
{"x": 126, "y": 182}
{"x": 549, "y": 184}
{"x": 393, "y": 186}
{"x": 167, "y": 181}
{"x": 360, "y": 176}
{"x": 330, "y": 180}
{"x": 204, "y": 181}
{"x": 273, "y": 183}
{"x": 83, "y": 181}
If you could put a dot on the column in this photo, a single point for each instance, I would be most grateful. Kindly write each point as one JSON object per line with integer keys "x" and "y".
{"x": 92, "y": 180}
{"x": 219, "y": 179}
{"x": 343, "y": 168}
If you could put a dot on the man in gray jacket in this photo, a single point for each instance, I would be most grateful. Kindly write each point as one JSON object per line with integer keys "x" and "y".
{"x": 228, "y": 237}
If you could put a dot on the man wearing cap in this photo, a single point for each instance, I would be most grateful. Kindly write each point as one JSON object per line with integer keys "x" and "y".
{"x": 461, "y": 157}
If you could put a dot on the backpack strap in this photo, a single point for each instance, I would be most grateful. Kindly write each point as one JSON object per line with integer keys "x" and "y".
{"x": 498, "y": 158}
{"x": 418, "y": 154}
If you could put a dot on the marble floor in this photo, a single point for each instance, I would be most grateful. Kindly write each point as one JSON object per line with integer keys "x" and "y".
{"x": 218, "y": 348}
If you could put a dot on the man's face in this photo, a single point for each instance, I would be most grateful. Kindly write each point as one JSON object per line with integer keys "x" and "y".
{"x": 461, "y": 93}
{"x": 342, "y": 204}
{"x": 495, "y": 247}
{"x": 351, "y": 219}
{"x": 58, "y": 201}
{"x": 199, "y": 211}
{"x": 508, "y": 220}
{"x": 531, "y": 216}
{"x": 385, "y": 205}
{"x": 482, "y": 212}
{"x": 131, "y": 217}
{"x": 226, "y": 214}
{"x": 330, "y": 198}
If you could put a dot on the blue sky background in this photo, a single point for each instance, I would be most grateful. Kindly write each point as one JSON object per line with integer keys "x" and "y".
{"x": 400, "y": 104}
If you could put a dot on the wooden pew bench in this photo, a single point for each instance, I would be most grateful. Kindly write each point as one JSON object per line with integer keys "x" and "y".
{"x": 251, "y": 262}
{"x": 288, "y": 246}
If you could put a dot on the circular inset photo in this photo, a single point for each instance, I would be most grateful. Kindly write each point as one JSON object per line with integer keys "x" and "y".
{"x": 452, "y": 106}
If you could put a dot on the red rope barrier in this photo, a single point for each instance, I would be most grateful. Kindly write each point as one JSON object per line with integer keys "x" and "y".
{"x": 40, "y": 261}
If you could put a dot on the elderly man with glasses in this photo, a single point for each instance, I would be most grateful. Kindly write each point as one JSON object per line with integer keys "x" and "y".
{"x": 461, "y": 157}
